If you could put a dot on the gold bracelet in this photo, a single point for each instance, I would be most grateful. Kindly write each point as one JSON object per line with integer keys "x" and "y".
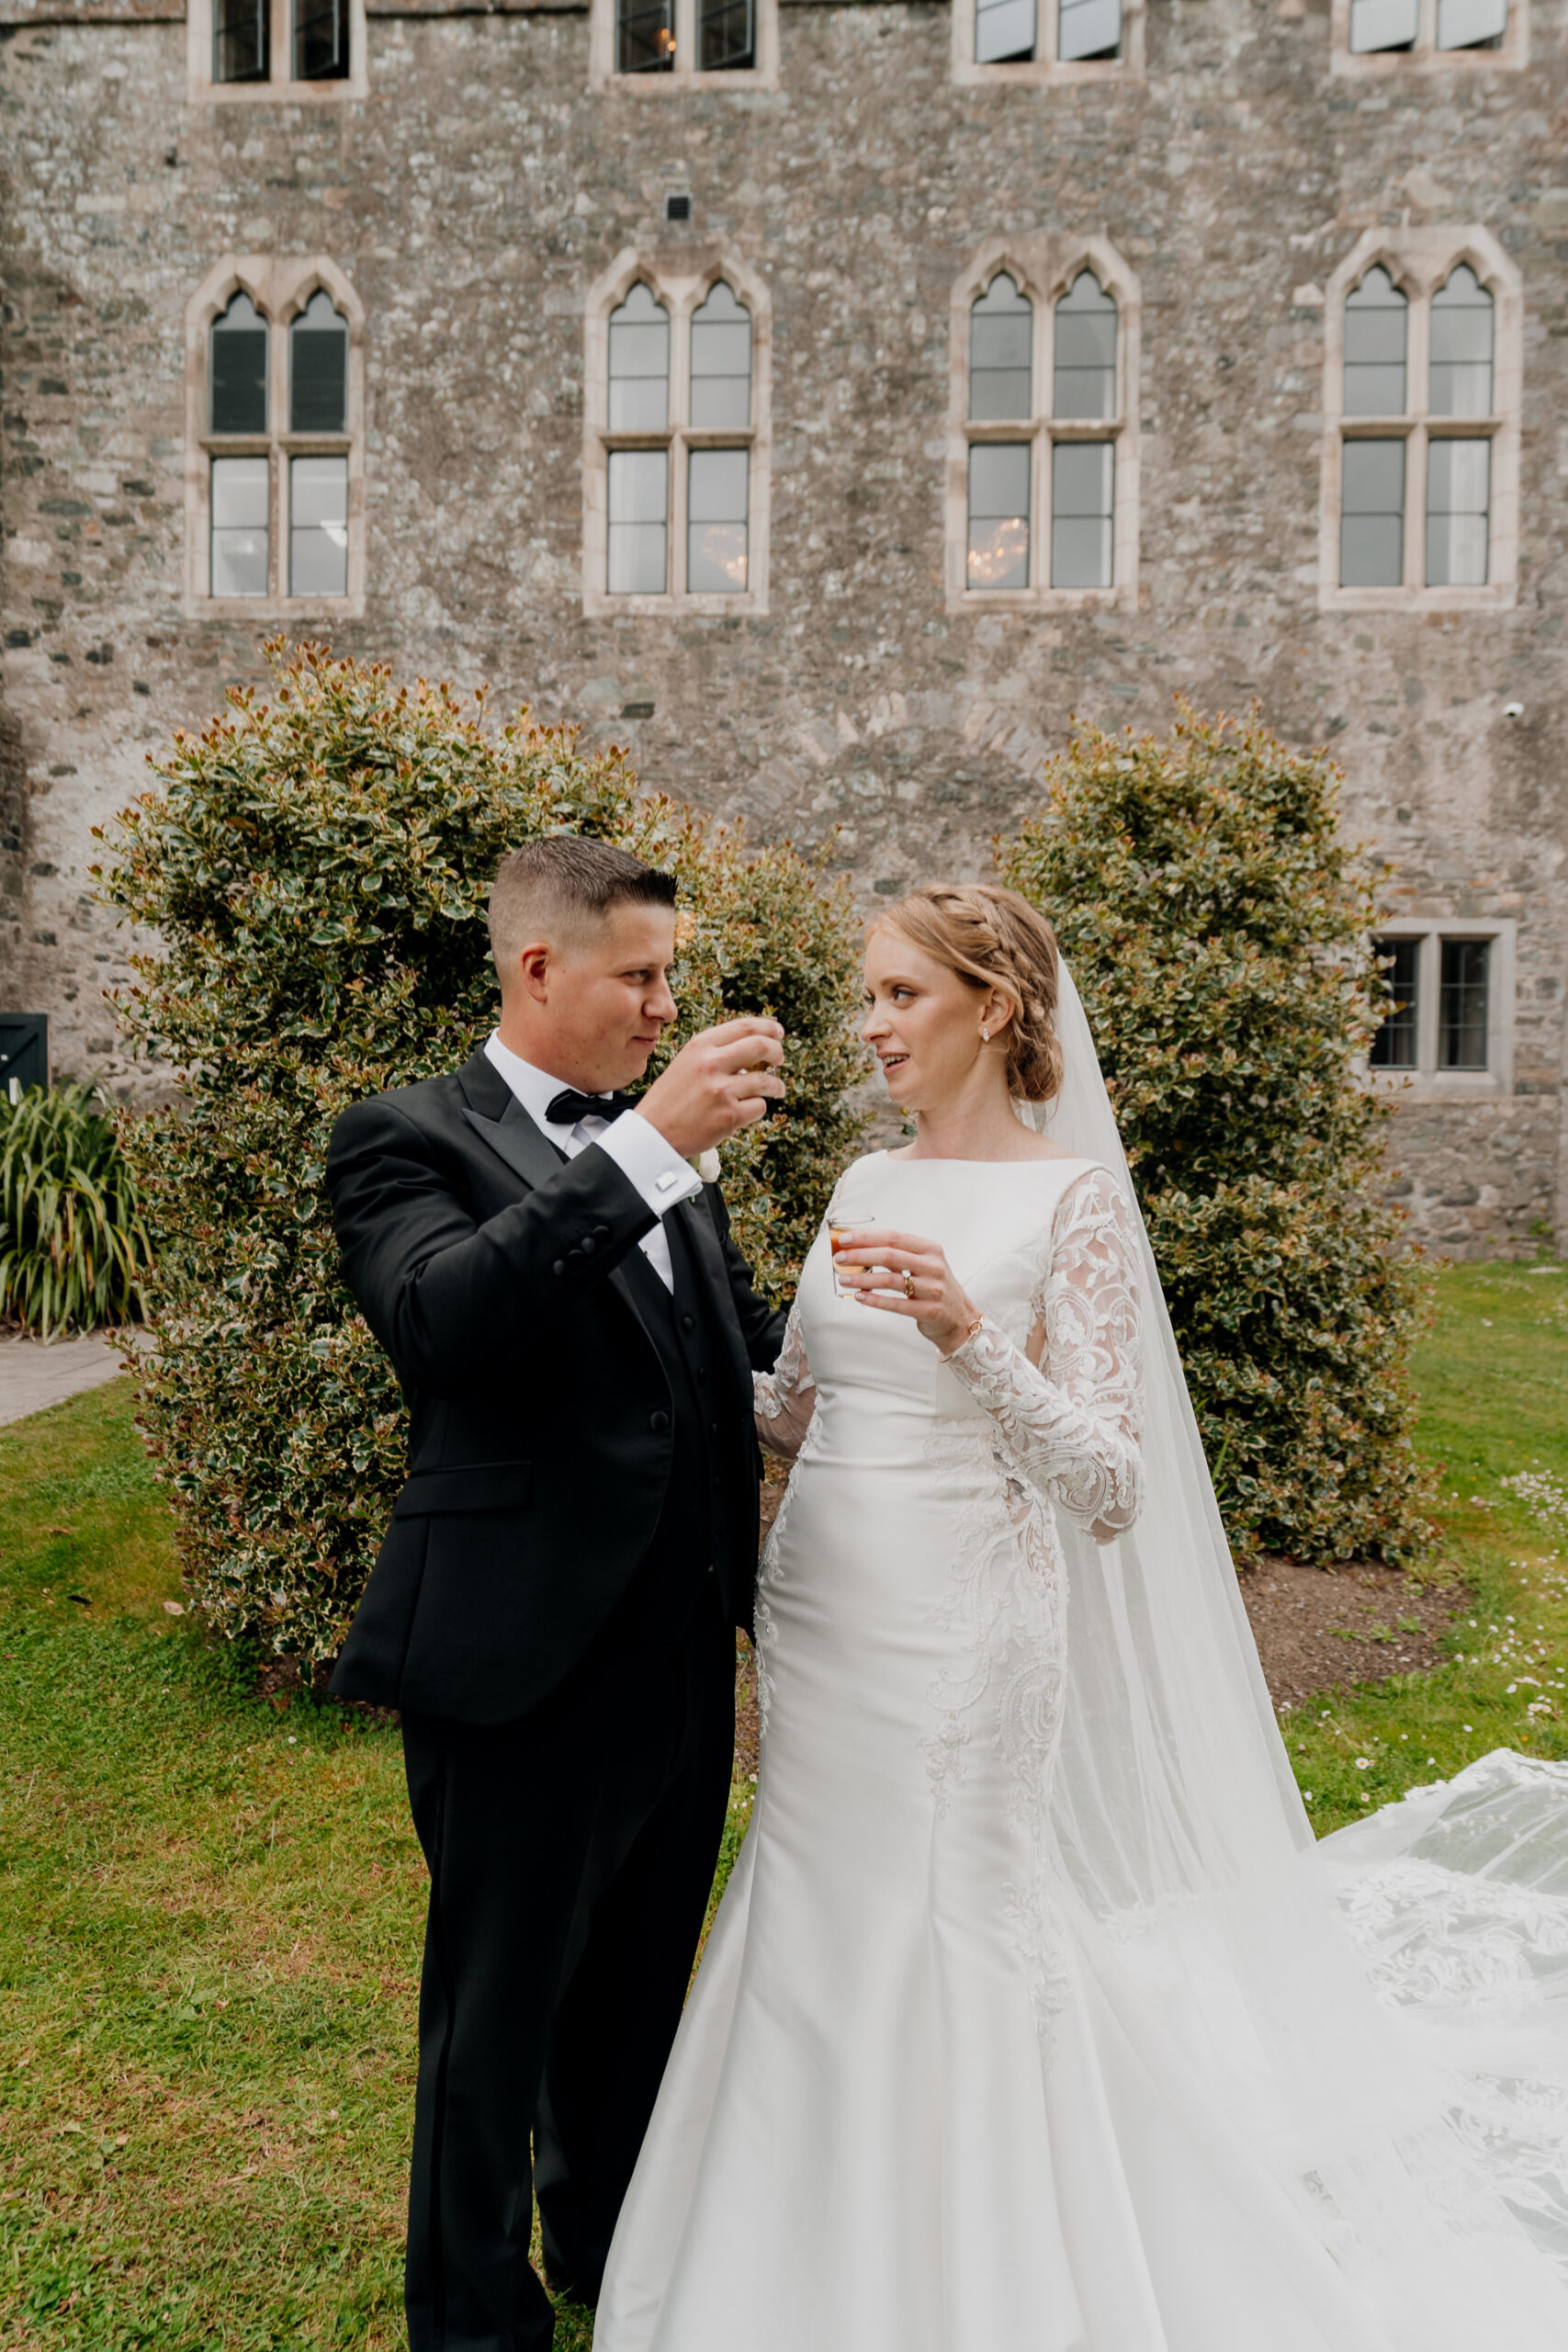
{"x": 963, "y": 1342}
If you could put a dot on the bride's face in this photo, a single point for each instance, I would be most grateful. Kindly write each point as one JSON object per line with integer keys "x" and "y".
{"x": 923, "y": 1024}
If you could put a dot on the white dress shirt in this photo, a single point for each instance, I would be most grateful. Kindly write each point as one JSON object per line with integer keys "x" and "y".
{"x": 635, "y": 1145}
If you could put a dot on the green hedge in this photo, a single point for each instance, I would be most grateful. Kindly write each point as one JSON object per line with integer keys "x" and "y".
{"x": 317, "y": 867}
{"x": 1218, "y": 924}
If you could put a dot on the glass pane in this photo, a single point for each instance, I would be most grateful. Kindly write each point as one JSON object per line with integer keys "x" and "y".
{"x": 721, "y": 362}
{"x": 1472, "y": 24}
{"x": 1085, "y": 357}
{"x": 1372, "y": 516}
{"x": 1459, "y": 481}
{"x": 1083, "y": 476}
{"x": 726, "y": 41}
{"x": 645, "y": 36}
{"x": 318, "y": 526}
{"x": 1089, "y": 29}
{"x": 239, "y": 45}
{"x": 1461, "y": 1023}
{"x": 238, "y": 345}
{"x": 1376, "y": 316}
{"x": 1004, "y": 31}
{"x": 320, "y": 39}
{"x": 639, "y": 508}
{"x": 716, "y": 485}
{"x": 239, "y": 488}
{"x": 639, "y": 364}
{"x": 1462, "y": 347}
{"x": 317, "y": 367}
{"x": 998, "y": 515}
{"x": 1382, "y": 23}
{"x": 1001, "y": 376}
{"x": 1394, "y": 1045}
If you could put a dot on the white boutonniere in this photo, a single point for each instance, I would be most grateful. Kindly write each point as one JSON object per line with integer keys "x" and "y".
{"x": 708, "y": 1167}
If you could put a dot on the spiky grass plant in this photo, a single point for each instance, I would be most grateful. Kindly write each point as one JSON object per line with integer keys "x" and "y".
{"x": 73, "y": 1245}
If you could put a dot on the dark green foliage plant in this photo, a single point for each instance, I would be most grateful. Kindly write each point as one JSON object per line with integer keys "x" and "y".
{"x": 1217, "y": 924}
{"x": 73, "y": 1249}
{"x": 316, "y": 867}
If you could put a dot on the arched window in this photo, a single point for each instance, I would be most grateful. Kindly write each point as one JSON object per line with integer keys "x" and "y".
{"x": 1377, "y": 318}
{"x": 238, "y": 370}
{"x": 317, "y": 367}
{"x": 276, "y": 419}
{"x": 1415, "y": 443}
{"x": 639, "y": 479}
{"x": 1462, "y": 347}
{"x": 721, "y": 362}
{"x": 1047, "y": 435}
{"x": 1001, "y": 353}
{"x": 674, "y": 420}
{"x": 1085, "y": 357}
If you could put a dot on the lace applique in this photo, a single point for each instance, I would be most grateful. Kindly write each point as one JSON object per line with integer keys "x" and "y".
{"x": 1073, "y": 1428}
{"x": 1068, "y": 1436}
{"x": 784, "y": 1399}
{"x": 787, "y": 1423}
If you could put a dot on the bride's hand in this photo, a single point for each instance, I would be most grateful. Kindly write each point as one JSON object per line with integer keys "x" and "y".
{"x": 903, "y": 1275}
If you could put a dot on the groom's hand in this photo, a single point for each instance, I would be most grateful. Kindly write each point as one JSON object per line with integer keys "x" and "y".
{"x": 722, "y": 1080}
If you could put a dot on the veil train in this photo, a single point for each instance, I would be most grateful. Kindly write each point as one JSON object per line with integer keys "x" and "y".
{"x": 1375, "y": 2030}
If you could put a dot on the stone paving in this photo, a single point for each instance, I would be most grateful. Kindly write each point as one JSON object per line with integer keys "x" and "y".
{"x": 33, "y": 1376}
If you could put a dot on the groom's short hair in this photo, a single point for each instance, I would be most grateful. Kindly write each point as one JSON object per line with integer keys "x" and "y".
{"x": 558, "y": 887}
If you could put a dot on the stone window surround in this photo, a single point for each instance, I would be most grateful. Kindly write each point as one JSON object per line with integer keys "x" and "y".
{"x": 681, "y": 277}
{"x": 1043, "y": 265}
{"x": 1128, "y": 67}
{"x": 1427, "y": 1082}
{"x": 1419, "y": 261}
{"x": 1425, "y": 57}
{"x": 280, "y": 290}
{"x": 280, "y": 88}
{"x": 602, "y": 74}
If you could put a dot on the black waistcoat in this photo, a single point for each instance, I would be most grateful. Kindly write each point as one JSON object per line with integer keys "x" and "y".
{"x": 675, "y": 1585}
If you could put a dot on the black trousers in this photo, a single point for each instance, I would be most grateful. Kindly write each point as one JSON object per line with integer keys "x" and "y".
{"x": 570, "y": 1859}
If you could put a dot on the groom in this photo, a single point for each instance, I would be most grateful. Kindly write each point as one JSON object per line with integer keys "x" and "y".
{"x": 554, "y": 1607}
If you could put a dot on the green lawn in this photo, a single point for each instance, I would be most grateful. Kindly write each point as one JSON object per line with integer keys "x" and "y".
{"x": 210, "y": 1907}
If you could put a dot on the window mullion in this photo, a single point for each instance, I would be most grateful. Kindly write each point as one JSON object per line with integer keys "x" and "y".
{"x": 680, "y": 466}
{"x": 685, "y": 38}
{"x": 280, "y": 36}
{"x": 1428, "y": 1011}
{"x": 1039, "y": 501}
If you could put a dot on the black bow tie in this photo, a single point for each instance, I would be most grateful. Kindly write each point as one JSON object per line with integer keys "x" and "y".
{"x": 568, "y": 1106}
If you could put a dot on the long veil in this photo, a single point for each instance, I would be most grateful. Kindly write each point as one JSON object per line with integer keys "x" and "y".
{"x": 1410, "y": 2154}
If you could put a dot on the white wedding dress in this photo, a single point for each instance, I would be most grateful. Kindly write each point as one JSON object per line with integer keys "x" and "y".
{"x": 1030, "y": 2022}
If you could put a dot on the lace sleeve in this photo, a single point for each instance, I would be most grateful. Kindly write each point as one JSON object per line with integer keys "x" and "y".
{"x": 1073, "y": 1426}
{"x": 786, "y": 1398}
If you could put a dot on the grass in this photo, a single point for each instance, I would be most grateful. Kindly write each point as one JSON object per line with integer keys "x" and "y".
{"x": 210, "y": 1905}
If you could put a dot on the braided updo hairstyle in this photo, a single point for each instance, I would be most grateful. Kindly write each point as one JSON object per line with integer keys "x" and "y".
{"x": 993, "y": 939}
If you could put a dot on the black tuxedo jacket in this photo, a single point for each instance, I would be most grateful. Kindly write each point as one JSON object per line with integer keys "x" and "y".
{"x": 540, "y": 1438}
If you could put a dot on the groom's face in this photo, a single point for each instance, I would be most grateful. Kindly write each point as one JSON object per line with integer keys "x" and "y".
{"x": 597, "y": 1004}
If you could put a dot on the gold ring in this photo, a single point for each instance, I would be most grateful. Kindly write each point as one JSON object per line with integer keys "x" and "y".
{"x": 909, "y": 1283}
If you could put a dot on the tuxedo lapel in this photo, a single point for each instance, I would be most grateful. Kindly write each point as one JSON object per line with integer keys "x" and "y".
{"x": 525, "y": 1148}
{"x": 699, "y": 1229}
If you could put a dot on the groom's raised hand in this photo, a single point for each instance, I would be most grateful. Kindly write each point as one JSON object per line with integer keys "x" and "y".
{"x": 721, "y": 1081}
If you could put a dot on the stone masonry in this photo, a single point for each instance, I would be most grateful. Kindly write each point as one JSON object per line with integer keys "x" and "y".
{"x": 470, "y": 201}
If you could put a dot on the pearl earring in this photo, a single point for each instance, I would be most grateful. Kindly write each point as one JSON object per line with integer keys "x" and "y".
{"x": 985, "y": 1033}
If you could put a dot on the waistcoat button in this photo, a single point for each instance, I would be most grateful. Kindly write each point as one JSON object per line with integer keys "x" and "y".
{"x": 658, "y": 1424}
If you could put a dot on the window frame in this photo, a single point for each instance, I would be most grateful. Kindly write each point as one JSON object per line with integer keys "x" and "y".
{"x": 1043, "y": 267}
{"x": 682, "y": 280}
{"x": 1426, "y": 57}
{"x": 1129, "y": 67}
{"x": 1419, "y": 261}
{"x": 1425, "y": 1082}
{"x": 280, "y": 290}
{"x": 683, "y": 75}
{"x": 280, "y": 88}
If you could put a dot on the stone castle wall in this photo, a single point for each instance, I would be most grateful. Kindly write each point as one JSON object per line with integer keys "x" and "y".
{"x": 473, "y": 198}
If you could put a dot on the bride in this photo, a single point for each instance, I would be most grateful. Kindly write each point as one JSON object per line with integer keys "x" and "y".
{"x": 1032, "y": 2021}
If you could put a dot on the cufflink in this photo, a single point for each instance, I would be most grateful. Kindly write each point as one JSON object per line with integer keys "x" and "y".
{"x": 667, "y": 1182}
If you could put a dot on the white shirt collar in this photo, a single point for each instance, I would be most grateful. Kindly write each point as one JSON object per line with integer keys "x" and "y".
{"x": 534, "y": 1089}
